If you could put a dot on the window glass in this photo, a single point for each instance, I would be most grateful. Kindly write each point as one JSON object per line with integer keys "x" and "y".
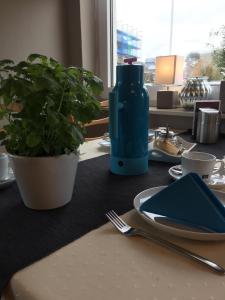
{"x": 193, "y": 29}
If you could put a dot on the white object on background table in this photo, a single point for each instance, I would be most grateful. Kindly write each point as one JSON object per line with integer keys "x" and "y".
{"x": 105, "y": 144}
{"x": 105, "y": 141}
{"x": 8, "y": 180}
{"x": 6, "y": 173}
{"x": 3, "y": 166}
{"x": 154, "y": 153}
{"x": 160, "y": 155}
{"x": 201, "y": 163}
{"x": 196, "y": 235}
{"x": 215, "y": 181}
{"x": 91, "y": 149}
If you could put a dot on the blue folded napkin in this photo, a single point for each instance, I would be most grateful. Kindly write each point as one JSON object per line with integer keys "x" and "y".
{"x": 188, "y": 199}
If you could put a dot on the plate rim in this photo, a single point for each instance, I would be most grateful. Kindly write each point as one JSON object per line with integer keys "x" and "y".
{"x": 175, "y": 231}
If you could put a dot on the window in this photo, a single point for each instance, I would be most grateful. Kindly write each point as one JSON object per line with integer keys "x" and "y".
{"x": 149, "y": 28}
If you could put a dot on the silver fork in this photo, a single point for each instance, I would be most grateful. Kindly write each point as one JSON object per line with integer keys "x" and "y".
{"x": 127, "y": 230}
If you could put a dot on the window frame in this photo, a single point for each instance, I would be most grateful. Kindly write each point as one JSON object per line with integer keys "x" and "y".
{"x": 105, "y": 43}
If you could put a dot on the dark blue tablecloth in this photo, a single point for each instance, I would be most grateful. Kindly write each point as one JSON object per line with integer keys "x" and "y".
{"x": 28, "y": 235}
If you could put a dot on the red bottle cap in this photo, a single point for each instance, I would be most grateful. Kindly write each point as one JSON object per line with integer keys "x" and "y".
{"x": 130, "y": 60}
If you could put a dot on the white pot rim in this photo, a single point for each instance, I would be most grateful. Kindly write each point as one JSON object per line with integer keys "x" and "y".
{"x": 42, "y": 157}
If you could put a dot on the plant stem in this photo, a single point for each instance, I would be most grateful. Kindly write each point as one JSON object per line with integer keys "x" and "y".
{"x": 61, "y": 100}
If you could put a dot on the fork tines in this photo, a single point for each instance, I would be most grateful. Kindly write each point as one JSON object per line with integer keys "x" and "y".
{"x": 115, "y": 219}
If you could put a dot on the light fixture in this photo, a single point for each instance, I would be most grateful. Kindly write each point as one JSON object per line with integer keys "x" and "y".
{"x": 169, "y": 70}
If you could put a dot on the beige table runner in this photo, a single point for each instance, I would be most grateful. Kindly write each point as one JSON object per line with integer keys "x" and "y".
{"x": 106, "y": 265}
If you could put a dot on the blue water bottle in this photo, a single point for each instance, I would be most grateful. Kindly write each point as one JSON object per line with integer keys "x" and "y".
{"x": 128, "y": 126}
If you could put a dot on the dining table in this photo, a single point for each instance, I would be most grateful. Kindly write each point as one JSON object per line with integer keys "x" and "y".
{"x": 101, "y": 263}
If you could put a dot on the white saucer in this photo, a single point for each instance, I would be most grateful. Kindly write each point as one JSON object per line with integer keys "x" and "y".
{"x": 216, "y": 181}
{"x": 105, "y": 142}
{"x": 196, "y": 235}
{"x": 8, "y": 180}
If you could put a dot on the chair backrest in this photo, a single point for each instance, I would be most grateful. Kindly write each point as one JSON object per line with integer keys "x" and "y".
{"x": 98, "y": 127}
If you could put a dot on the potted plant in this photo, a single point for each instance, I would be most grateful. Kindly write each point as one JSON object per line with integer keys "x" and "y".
{"x": 46, "y": 106}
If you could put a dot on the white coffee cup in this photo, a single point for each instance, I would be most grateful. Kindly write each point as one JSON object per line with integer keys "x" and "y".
{"x": 201, "y": 163}
{"x": 4, "y": 172}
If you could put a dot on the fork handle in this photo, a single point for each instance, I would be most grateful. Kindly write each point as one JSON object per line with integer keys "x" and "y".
{"x": 210, "y": 264}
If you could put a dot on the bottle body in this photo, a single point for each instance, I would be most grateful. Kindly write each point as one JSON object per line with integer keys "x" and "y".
{"x": 129, "y": 114}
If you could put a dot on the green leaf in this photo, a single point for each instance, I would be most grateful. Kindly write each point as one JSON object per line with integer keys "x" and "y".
{"x": 52, "y": 118}
{"x": 3, "y": 113}
{"x": 96, "y": 85}
{"x": 46, "y": 147}
{"x": 34, "y": 56}
{"x": 73, "y": 71}
{"x": 33, "y": 140}
{"x": 22, "y": 64}
{"x": 4, "y": 62}
{"x": 53, "y": 62}
{"x": 76, "y": 134}
{"x": 3, "y": 135}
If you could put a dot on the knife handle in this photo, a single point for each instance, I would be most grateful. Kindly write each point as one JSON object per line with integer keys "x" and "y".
{"x": 182, "y": 251}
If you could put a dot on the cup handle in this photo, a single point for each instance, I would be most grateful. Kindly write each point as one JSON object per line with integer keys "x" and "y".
{"x": 221, "y": 168}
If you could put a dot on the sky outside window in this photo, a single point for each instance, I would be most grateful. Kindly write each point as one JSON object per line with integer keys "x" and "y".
{"x": 193, "y": 21}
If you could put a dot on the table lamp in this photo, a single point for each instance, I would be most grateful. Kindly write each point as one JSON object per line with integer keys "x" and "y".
{"x": 169, "y": 70}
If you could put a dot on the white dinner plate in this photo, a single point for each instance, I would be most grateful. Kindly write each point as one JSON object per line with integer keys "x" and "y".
{"x": 216, "y": 181}
{"x": 8, "y": 180}
{"x": 196, "y": 235}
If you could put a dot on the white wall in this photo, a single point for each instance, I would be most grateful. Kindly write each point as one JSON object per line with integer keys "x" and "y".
{"x": 73, "y": 30}
{"x": 81, "y": 30}
{"x": 88, "y": 34}
{"x": 32, "y": 26}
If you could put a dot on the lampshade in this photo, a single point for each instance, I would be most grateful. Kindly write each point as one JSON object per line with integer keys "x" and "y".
{"x": 169, "y": 69}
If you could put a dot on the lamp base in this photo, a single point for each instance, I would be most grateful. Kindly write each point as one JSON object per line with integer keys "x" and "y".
{"x": 166, "y": 99}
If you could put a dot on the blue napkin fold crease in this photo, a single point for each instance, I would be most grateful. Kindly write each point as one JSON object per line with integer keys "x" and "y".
{"x": 188, "y": 199}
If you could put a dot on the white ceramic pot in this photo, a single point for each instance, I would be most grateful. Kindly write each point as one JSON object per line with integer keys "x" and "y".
{"x": 45, "y": 182}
